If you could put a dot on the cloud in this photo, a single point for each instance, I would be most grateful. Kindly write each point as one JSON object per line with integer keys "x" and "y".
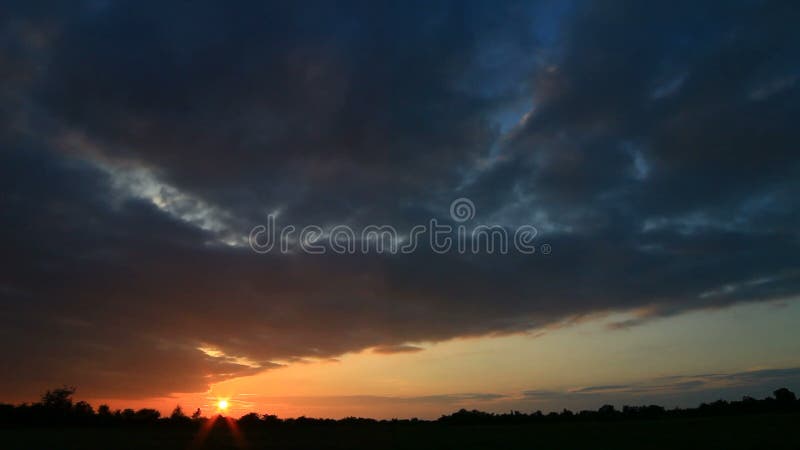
{"x": 140, "y": 147}
{"x": 684, "y": 390}
{"x": 390, "y": 349}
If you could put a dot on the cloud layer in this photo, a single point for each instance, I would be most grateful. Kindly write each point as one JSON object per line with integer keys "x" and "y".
{"x": 653, "y": 147}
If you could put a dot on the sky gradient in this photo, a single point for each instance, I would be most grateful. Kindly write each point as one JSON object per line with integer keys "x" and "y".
{"x": 653, "y": 146}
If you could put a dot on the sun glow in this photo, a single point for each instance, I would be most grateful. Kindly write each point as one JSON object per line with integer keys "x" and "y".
{"x": 222, "y": 405}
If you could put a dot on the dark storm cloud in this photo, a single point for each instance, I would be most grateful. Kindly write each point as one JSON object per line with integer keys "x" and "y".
{"x": 656, "y": 154}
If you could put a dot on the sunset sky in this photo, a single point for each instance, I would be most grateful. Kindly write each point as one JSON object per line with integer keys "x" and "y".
{"x": 654, "y": 148}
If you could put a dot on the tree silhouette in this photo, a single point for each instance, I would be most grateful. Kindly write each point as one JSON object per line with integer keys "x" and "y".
{"x": 83, "y": 409}
{"x": 58, "y": 399}
{"x": 784, "y": 396}
{"x": 104, "y": 411}
{"x": 57, "y": 408}
{"x": 177, "y": 413}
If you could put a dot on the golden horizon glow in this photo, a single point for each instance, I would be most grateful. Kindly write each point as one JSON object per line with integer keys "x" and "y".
{"x": 587, "y": 353}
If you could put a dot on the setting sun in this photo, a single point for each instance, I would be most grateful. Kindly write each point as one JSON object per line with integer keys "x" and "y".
{"x": 222, "y": 405}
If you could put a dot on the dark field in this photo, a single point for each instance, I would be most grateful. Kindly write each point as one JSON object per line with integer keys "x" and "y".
{"x": 758, "y": 431}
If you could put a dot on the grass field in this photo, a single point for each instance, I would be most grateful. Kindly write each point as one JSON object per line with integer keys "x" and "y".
{"x": 763, "y": 431}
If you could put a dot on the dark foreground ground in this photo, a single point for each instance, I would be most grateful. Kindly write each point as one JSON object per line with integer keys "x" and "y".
{"x": 758, "y": 431}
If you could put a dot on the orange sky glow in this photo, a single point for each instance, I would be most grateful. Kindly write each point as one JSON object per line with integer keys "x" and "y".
{"x": 444, "y": 377}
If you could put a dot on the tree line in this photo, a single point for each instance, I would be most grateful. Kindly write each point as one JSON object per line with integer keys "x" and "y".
{"x": 57, "y": 407}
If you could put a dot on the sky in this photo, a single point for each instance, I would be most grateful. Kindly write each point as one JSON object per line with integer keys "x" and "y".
{"x": 651, "y": 146}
